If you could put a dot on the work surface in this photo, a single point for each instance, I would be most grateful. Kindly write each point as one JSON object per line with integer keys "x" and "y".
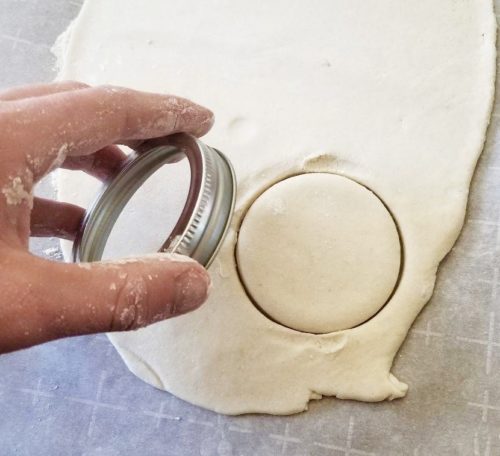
{"x": 77, "y": 397}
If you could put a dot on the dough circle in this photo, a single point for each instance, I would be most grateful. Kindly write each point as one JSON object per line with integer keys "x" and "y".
{"x": 319, "y": 253}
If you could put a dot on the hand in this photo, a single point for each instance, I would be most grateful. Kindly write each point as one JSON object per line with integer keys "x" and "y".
{"x": 74, "y": 126}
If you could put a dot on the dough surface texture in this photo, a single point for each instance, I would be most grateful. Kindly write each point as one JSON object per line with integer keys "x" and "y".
{"x": 395, "y": 95}
{"x": 318, "y": 253}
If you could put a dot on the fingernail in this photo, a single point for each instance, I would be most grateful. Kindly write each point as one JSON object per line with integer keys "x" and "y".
{"x": 208, "y": 116}
{"x": 192, "y": 288}
{"x": 205, "y": 120}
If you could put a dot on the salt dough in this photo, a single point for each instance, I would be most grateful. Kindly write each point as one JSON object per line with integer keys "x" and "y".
{"x": 393, "y": 94}
{"x": 318, "y": 253}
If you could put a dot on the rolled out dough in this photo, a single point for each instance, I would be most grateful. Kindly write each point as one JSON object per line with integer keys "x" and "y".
{"x": 318, "y": 253}
{"x": 393, "y": 94}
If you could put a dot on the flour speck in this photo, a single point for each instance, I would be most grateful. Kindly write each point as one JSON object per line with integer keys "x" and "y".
{"x": 15, "y": 193}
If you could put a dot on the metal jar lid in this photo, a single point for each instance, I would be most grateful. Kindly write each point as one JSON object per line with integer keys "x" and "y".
{"x": 207, "y": 212}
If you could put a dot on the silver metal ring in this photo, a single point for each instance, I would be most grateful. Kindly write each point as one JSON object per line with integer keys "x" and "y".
{"x": 207, "y": 212}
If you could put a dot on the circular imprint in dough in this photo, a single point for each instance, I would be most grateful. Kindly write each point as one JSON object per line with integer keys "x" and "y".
{"x": 319, "y": 253}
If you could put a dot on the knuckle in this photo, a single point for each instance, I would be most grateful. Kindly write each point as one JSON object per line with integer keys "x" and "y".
{"x": 119, "y": 101}
{"x": 131, "y": 307}
{"x": 76, "y": 84}
{"x": 116, "y": 93}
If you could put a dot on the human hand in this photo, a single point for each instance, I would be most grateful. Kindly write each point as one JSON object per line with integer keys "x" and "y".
{"x": 74, "y": 126}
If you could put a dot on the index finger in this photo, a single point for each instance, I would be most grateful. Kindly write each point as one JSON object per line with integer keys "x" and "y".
{"x": 38, "y": 90}
{"x": 83, "y": 121}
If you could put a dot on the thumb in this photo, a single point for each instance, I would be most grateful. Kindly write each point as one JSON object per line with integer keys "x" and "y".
{"x": 74, "y": 299}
